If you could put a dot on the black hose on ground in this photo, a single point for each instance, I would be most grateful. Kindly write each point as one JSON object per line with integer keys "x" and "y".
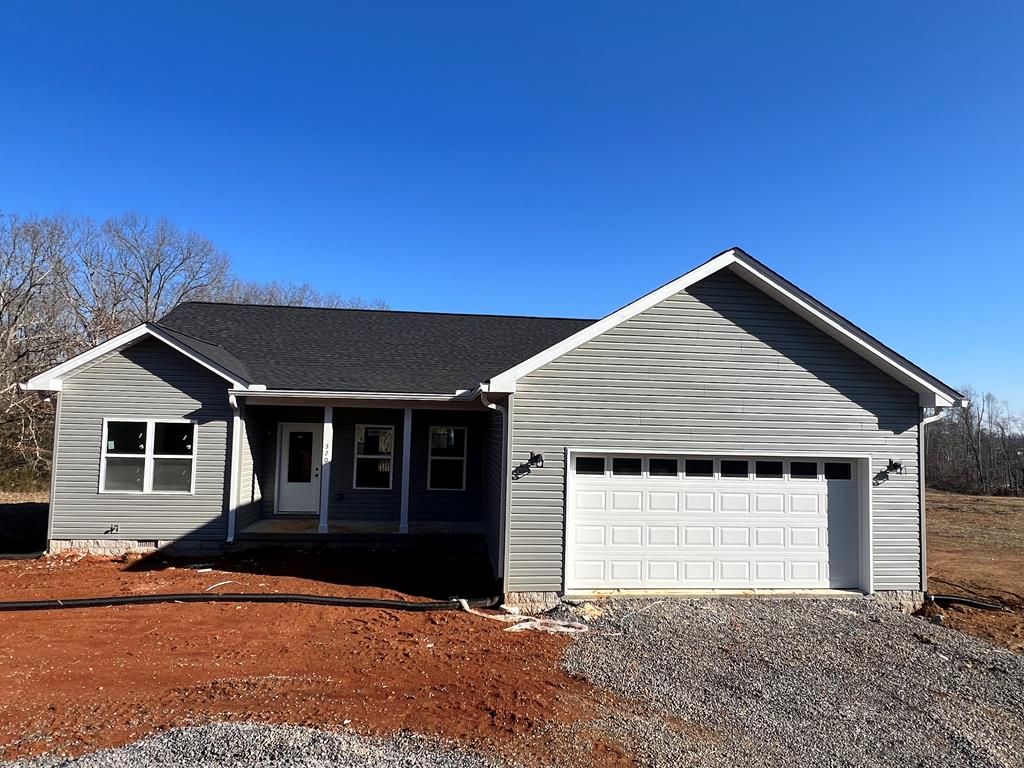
{"x": 964, "y": 601}
{"x": 257, "y": 597}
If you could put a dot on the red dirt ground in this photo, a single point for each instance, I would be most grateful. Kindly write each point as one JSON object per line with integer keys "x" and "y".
{"x": 77, "y": 680}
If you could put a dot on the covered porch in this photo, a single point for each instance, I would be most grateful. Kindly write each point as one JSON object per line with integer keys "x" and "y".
{"x": 341, "y": 470}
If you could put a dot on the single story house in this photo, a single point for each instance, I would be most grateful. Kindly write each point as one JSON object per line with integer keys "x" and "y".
{"x": 725, "y": 431}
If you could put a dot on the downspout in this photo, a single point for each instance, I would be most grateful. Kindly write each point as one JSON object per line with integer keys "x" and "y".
{"x": 506, "y": 436}
{"x": 921, "y": 492}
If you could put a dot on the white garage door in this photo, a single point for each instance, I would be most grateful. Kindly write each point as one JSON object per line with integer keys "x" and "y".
{"x": 672, "y": 522}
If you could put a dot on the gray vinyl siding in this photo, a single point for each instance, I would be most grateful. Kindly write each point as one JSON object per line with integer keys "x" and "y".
{"x": 462, "y": 506}
{"x": 250, "y": 494}
{"x": 146, "y": 381}
{"x": 492, "y": 501}
{"x": 717, "y": 367}
{"x": 348, "y": 503}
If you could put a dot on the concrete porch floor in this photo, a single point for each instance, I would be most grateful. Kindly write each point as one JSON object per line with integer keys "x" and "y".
{"x": 308, "y": 527}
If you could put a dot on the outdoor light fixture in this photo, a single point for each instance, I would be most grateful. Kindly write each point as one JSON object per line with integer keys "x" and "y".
{"x": 536, "y": 460}
{"x": 895, "y": 466}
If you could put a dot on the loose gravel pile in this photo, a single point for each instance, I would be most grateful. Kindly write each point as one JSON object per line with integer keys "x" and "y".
{"x": 270, "y": 746}
{"x": 805, "y": 682}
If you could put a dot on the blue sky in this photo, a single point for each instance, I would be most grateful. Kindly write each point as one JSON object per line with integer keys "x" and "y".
{"x": 554, "y": 159}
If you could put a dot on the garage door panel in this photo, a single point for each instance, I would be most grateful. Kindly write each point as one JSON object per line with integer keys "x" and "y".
{"x": 627, "y": 572}
{"x": 770, "y": 571}
{"x": 806, "y": 537}
{"x": 663, "y": 571}
{"x": 806, "y": 504}
{"x": 737, "y": 571}
{"x": 711, "y": 532}
{"x": 699, "y": 502}
{"x": 769, "y": 537}
{"x": 585, "y": 535}
{"x": 586, "y": 501}
{"x": 734, "y": 503}
{"x": 627, "y": 501}
{"x": 732, "y": 536}
{"x": 698, "y": 536}
{"x": 626, "y": 535}
{"x": 663, "y": 501}
{"x": 770, "y": 503}
{"x": 663, "y": 535}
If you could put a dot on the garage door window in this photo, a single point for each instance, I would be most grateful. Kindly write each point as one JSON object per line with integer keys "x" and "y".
{"x": 700, "y": 468}
{"x": 803, "y": 470}
{"x": 589, "y": 465}
{"x": 627, "y": 467}
{"x": 663, "y": 468}
{"x": 837, "y": 470}
{"x": 768, "y": 469}
{"x": 733, "y": 468}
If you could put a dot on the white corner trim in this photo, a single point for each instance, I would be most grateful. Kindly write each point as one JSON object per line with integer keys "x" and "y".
{"x": 52, "y": 380}
{"x": 932, "y": 391}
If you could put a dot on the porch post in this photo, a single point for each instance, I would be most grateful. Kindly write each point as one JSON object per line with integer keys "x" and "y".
{"x": 403, "y": 524}
{"x": 325, "y": 468}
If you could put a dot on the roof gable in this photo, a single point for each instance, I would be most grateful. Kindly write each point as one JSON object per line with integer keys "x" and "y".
{"x": 219, "y": 361}
{"x": 932, "y": 391}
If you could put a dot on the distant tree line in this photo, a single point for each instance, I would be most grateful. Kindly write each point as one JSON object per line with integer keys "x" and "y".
{"x": 978, "y": 449}
{"x": 67, "y": 284}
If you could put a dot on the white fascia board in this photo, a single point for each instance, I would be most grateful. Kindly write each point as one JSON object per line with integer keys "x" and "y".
{"x": 52, "y": 380}
{"x": 301, "y": 394}
{"x": 506, "y": 381}
{"x": 932, "y": 391}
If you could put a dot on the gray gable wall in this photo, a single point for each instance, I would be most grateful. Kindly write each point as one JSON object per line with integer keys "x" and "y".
{"x": 146, "y": 380}
{"x": 717, "y": 367}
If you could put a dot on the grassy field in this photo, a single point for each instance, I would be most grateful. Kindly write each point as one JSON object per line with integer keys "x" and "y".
{"x": 976, "y": 549}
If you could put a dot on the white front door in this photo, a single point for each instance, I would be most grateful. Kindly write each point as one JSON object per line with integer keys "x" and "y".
{"x": 298, "y": 467}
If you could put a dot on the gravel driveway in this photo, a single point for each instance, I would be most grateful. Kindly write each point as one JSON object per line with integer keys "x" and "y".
{"x": 271, "y": 746}
{"x": 805, "y": 682}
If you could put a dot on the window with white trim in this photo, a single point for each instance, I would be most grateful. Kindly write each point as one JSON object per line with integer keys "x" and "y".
{"x": 375, "y": 450}
{"x": 446, "y": 459}
{"x": 148, "y": 456}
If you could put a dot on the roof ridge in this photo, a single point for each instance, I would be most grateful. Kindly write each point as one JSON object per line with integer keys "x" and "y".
{"x": 384, "y": 311}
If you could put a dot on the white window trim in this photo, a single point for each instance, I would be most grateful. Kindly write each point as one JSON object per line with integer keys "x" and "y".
{"x": 357, "y": 456}
{"x": 148, "y": 456}
{"x": 431, "y": 457}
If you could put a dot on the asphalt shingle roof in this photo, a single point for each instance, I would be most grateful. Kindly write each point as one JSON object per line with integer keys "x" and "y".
{"x": 358, "y": 350}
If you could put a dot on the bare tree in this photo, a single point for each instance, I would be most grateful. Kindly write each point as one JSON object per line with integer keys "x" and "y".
{"x": 977, "y": 449}
{"x": 160, "y": 266}
{"x": 68, "y": 284}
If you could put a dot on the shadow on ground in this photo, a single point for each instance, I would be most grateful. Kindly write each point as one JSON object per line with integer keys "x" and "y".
{"x": 433, "y": 569}
{"x": 22, "y": 529}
